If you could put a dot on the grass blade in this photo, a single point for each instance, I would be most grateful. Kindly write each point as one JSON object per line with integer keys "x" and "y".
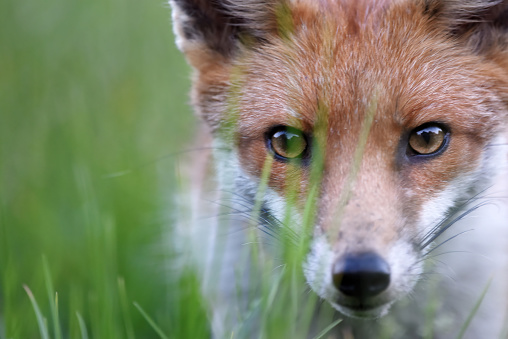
{"x": 129, "y": 329}
{"x": 327, "y": 329}
{"x": 473, "y": 311}
{"x": 53, "y": 299}
{"x": 82, "y": 326}
{"x": 151, "y": 322}
{"x": 43, "y": 328}
{"x": 56, "y": 320}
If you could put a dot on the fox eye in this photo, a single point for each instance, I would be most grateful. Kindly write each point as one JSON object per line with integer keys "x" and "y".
{"x": 287, "y": 142}
{"x": 428, "y": 139}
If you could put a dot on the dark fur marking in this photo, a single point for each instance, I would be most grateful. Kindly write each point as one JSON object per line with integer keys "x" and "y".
{"x": 480, "y": 25}
{"x": 210, "y": 22}
{"x": 221, "y": 26}
{"x": 433, "y": 8}
{"x": 189, "y": 32}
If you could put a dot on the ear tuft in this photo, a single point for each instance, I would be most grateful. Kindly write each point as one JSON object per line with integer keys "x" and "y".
{"x": 203, "y": 21}
{"x": 218, "y": 26}
{"x": 481, "y": 24}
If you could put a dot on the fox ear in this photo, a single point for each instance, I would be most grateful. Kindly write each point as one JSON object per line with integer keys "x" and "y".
{"x": 211, "y": 30}
{"x": 481, "y": 24}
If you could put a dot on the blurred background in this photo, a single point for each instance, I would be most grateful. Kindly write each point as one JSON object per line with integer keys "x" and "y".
{"x": 93, "y": 114}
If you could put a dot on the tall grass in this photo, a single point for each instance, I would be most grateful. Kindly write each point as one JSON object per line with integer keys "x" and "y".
{"x": 92, "y": 105}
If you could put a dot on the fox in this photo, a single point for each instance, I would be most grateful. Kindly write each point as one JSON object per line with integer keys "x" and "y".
{"x": 389, "y": 118}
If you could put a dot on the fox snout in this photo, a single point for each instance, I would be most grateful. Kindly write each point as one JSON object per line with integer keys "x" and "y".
{"x": 367, "y": 260}
{"x": 361, "y": 284}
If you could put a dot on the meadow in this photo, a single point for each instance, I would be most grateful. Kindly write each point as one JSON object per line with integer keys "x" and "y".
{"x": 93, "y": 109}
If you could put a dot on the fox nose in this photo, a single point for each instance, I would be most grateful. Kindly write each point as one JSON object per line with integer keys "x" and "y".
{"x": 361, "y": 275}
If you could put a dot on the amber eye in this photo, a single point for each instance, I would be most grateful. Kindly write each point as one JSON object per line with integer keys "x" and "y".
{"x": 287, "y": 142}
{"x": 428, "y": 139}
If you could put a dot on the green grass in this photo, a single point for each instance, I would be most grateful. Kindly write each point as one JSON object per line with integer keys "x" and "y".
{"x": 90, "y": 89}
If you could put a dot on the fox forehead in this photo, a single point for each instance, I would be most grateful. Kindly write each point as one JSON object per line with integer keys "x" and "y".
{"x": 418, "y": 74}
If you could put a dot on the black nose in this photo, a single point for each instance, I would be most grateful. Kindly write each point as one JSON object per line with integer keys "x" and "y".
{"x": 361, "y": 275}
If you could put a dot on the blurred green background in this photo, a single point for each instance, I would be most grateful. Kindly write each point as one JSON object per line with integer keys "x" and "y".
{"x": 93, "y": 108}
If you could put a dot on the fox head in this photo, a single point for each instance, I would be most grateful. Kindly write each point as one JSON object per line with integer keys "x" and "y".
{"x": 400, "y": 102}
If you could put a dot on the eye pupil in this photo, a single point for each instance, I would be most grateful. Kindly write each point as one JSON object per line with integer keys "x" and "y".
{"x": 425, "y": 136}
{"x": 288, "y": 143}
{"x": 427, "y": 139}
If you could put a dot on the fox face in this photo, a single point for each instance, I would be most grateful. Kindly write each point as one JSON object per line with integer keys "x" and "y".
{"x": 394, "y": 106}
